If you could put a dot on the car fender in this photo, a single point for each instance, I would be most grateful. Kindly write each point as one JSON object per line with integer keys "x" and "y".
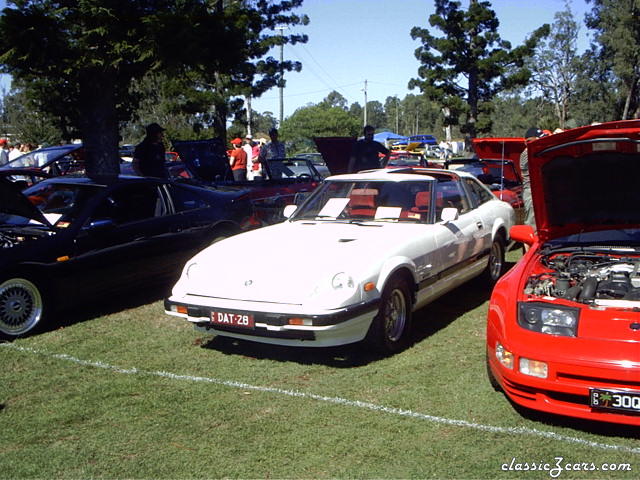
{"x": 393, "y": 265}
{"x": 500, "y": 225}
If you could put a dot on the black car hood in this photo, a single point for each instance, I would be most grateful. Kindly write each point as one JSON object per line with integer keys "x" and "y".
{"x": 13, "y": 202}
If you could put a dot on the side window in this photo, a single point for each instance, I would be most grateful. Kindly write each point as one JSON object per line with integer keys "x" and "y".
{"x": 450, "y": 194}
{"x": 131, "y": 203}
{"x": 185, "y": 199}
{"x": 477, "y": 192}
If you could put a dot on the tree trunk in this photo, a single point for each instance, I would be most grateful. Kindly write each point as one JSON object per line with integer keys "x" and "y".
{"x": 473, "y": 104}
{"x": 99, "y": 125}
{"x": 627, "y": 103}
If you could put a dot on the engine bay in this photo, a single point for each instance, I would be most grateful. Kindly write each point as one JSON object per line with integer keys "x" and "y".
{"x": 10, "y": 239}
{"x": 589, "y": 278}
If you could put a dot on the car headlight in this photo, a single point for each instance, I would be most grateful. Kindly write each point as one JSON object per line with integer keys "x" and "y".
{"x": 546, "y": 318}
{"x": 342, "y": 281}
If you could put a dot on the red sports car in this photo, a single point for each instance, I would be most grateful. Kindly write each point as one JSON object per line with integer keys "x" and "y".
{"x": 563, "y": 328}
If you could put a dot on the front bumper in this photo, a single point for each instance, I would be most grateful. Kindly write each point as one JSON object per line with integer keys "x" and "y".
{"x": 322, "y": 329}
{"x": 566, "y": 389}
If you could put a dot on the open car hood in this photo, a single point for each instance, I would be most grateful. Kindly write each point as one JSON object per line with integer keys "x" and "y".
{"x": 586, "y": 179}
{"x": 500, "y": 148}
{"x": 13, "y": 202}
{"x": 336, "y": 152}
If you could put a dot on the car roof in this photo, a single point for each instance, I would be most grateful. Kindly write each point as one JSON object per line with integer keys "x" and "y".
{"x": 400, "y": 174}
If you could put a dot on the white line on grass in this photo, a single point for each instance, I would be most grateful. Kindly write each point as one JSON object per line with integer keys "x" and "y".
{"x": 336, "y": 400}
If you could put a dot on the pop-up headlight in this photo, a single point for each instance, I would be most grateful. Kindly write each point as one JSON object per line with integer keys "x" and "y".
{"x": 546, "y": 318}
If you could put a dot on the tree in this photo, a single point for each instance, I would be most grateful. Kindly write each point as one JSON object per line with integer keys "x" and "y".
{"x": 471, "y": 48}
{"x": 86, "y": 54}
{"x": 335, "y": 99}
{"x": 555, "y": 65}
{"x": 317, "y": 121}
{"x": 617, "y": 31}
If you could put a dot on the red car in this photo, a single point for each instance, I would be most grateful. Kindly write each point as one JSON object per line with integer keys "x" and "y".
{"x": 563, "y": 327}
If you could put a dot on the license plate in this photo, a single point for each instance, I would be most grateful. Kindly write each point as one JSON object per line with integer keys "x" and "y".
{"x": 229, "y": 319}
{"x": 615, "y": 400}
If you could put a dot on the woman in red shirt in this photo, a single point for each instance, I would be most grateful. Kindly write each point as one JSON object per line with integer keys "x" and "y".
{"x": 238, "y": 161}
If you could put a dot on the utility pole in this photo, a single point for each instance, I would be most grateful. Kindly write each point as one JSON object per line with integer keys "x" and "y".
{"x": 397, "y": 116}
{"x": 248, "y": 104}
{"x": 281, "y": 83}
{"x": 365, "y": 102}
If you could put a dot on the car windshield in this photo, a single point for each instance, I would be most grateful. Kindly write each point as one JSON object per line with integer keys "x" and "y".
{"x": 623, "y": 237}
{"x": 376, "y": 201}
{"x": 490, "y": 173}
{"x": 60, "y": 203}
{"x": 404, "y": 160}
{"x": 41, "y": 157}
{"x": 295, "y": 168}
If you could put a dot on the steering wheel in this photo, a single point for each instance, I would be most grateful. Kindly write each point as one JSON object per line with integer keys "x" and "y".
{"x": 304, "y": 176}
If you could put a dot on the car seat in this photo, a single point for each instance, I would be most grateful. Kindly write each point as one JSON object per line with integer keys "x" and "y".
{"x": 362, "y": 202}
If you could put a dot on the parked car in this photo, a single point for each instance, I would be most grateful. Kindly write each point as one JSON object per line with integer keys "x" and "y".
{"x": 24, "y": 177}
{"x": 285, "y": 180}
{"x": 94, "y": 239}
{"x": 563, "y": 328}
{"x": 318, "y": 162}
{"x": 500, "y": 176}
{"x": 353, "y": 261}
{"x": 53, "y": 161}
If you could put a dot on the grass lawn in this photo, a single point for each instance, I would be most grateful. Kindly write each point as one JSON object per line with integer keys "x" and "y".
{"x": 132, "y": 393}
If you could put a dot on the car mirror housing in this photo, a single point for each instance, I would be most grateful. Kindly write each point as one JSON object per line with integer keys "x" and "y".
{"x": 288, "y": 210}
{"x": 449, "y": 214}
{"x": 524, "y": 234}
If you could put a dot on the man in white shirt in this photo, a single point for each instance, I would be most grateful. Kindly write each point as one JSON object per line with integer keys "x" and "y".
{"x": 248, "y": 148}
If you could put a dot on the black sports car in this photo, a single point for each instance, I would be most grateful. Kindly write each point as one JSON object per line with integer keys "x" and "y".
{"x": 94, "y": 239}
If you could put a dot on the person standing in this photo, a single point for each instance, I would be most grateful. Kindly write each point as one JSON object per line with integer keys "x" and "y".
{"x": 274, "y": 148}
{"x": 366, "y": 153}
{"x": 248, "y": 149}
{"x": 238, "y": 161}
{"x": 149, "y": 155}
{"x": 4, "y": 152}
{"x": 530, "y": 135}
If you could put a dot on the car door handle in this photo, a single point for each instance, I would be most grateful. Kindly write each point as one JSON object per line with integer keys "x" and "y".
{"x": 479, "y": 225}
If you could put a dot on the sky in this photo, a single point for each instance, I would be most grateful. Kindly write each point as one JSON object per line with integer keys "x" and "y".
{"x": 353, "y": 41}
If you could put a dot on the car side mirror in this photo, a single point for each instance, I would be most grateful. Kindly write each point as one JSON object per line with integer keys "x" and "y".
{"x": 524, "y": 234}
{"x": 288, "y": 210}
{"x": 449, "y": 214}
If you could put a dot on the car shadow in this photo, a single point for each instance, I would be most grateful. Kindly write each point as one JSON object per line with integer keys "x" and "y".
{"x": 344, "y": 356}
{"x": 587, "y": 426}
{"x": 116, "y": 303}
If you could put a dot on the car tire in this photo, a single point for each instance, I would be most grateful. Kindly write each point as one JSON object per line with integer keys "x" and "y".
{"x": 496, "y": 263}
{"x": 391, "y": 327}
{"x": 22, "y": 306}
{"x": 492, "y": 379}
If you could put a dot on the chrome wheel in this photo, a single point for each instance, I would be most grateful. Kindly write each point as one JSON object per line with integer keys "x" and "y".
{"x": 21, "y": 306}
{"x": 495, "y": 266}
{"x": 496, "y": 260}
{"x": 394, "y": 314}
{"x": 389, "y": 331}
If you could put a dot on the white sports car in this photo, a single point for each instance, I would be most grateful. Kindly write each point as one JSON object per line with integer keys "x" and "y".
{"x": 382, "y": 243}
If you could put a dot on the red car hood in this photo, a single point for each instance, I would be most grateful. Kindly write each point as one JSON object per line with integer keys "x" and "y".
{"x": 586, "y": 179}
{"x": 500, "y": 148}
